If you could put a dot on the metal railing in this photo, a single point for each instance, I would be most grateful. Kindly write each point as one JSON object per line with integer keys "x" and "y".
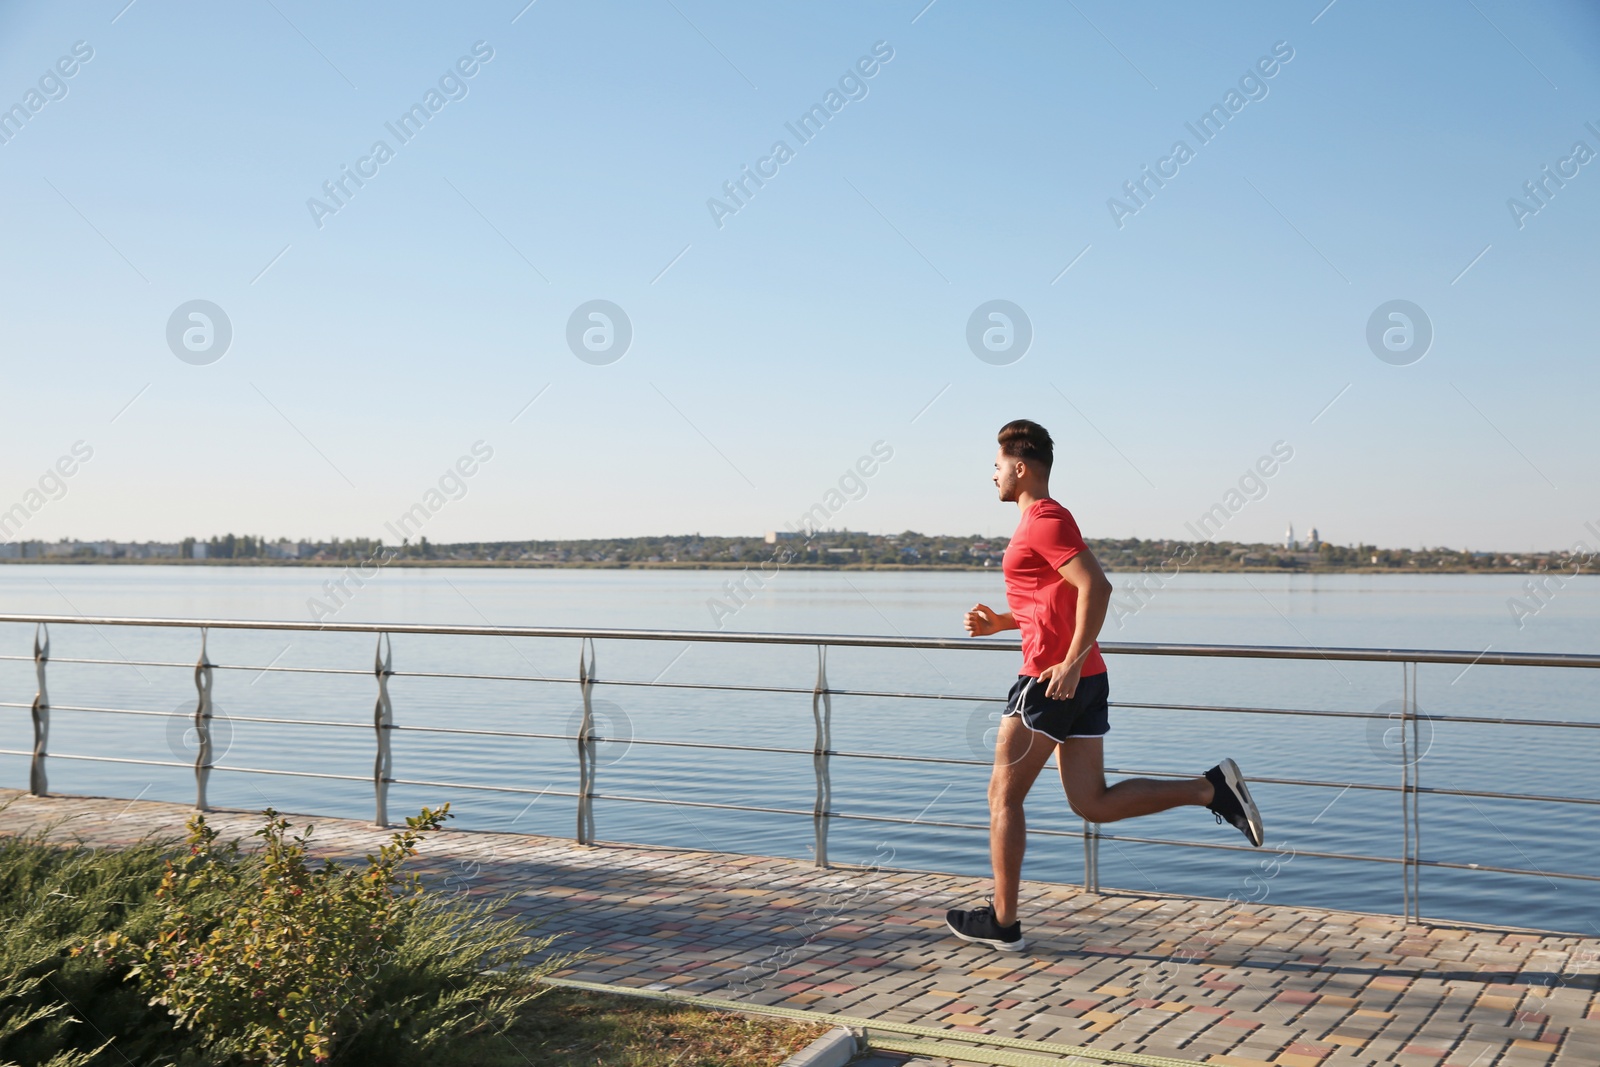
{"x": 822, "y": 751}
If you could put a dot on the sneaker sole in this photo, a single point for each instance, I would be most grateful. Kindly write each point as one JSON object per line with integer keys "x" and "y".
{"x": 1004, "y": 946}
{"x": 1235, "y": 779}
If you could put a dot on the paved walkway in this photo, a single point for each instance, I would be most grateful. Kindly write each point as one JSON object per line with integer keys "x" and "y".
{"x": 1239, "y": 986}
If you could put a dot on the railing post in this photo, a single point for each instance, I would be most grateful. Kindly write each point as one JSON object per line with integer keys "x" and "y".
{"x": 1091, "y": 856}
{"x": 1410, "y": 810}
{"x": 1416, "y": 794}
{"x": 382, "y": 725}
{"x": 586, "y": 754}
{"x": 202, "y": 725}
{"x": 38, "y": 785}
{"x": 822, "y": 716}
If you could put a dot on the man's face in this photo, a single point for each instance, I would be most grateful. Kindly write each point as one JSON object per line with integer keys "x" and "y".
{"x": 1007, "y": 474}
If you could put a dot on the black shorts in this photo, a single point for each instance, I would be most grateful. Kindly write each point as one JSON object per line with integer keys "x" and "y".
{"x": 1085, "y": 714}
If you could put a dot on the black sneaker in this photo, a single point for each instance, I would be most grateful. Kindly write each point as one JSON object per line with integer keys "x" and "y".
{"x": 978, "y": 926}
{"x": 1232, "y": 803}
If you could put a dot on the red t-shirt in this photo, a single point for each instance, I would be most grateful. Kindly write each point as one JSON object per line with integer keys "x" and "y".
{"x": 1044, "y": 604}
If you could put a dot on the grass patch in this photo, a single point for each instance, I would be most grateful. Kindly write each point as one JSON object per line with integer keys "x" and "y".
{"x": 579, "y": 1028}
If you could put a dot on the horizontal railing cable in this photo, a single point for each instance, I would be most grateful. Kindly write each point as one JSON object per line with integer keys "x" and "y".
{"x": 522, "y": 790}
{"x": 189, "y": 715}
{"x": 1288, "y": 652}
{"x": 102, "y": 759}
{"x": 1486, "y": 720}
{"x": 1471, "y": 720}
{"x": 1258, "y": 779}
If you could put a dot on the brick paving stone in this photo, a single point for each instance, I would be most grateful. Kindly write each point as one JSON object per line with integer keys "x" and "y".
{"x": 1247, "y": 985}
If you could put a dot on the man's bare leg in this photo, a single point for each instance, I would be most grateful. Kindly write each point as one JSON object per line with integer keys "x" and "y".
{"x": 1019, "y": 755}
{"x": 1083, "y": 775}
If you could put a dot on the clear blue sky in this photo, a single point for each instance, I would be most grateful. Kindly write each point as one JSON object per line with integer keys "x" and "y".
{"x": 824, "y": 316}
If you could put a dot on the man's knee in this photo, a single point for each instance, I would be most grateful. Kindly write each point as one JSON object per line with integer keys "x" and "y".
{"x": 1088, "y": 812}
{"x": 1005, "y": 794}
{"x": 1092, "y": 807}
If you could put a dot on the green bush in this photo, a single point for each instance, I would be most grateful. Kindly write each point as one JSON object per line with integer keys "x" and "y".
{"x": 57, "y": 1008}
{"x": 287, "y": 966}
{"x": 256, "y": 956}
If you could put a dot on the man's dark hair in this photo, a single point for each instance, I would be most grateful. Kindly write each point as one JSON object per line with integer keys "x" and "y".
{"x": 1027, "y": 441}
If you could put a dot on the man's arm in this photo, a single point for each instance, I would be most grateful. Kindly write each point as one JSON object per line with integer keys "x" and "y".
{"x": 1083, "y": 573}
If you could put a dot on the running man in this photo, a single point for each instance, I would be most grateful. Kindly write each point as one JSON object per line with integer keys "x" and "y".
{"x": 1058, "y": 596}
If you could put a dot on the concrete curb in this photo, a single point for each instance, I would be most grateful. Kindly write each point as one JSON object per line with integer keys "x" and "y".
{"x": 835, "y": 1048}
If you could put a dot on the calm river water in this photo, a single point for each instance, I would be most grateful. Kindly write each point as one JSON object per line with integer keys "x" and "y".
{"x": 1381, "y": 611}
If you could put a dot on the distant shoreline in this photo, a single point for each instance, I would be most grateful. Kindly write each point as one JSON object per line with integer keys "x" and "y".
{"x": 593, "y": 565}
